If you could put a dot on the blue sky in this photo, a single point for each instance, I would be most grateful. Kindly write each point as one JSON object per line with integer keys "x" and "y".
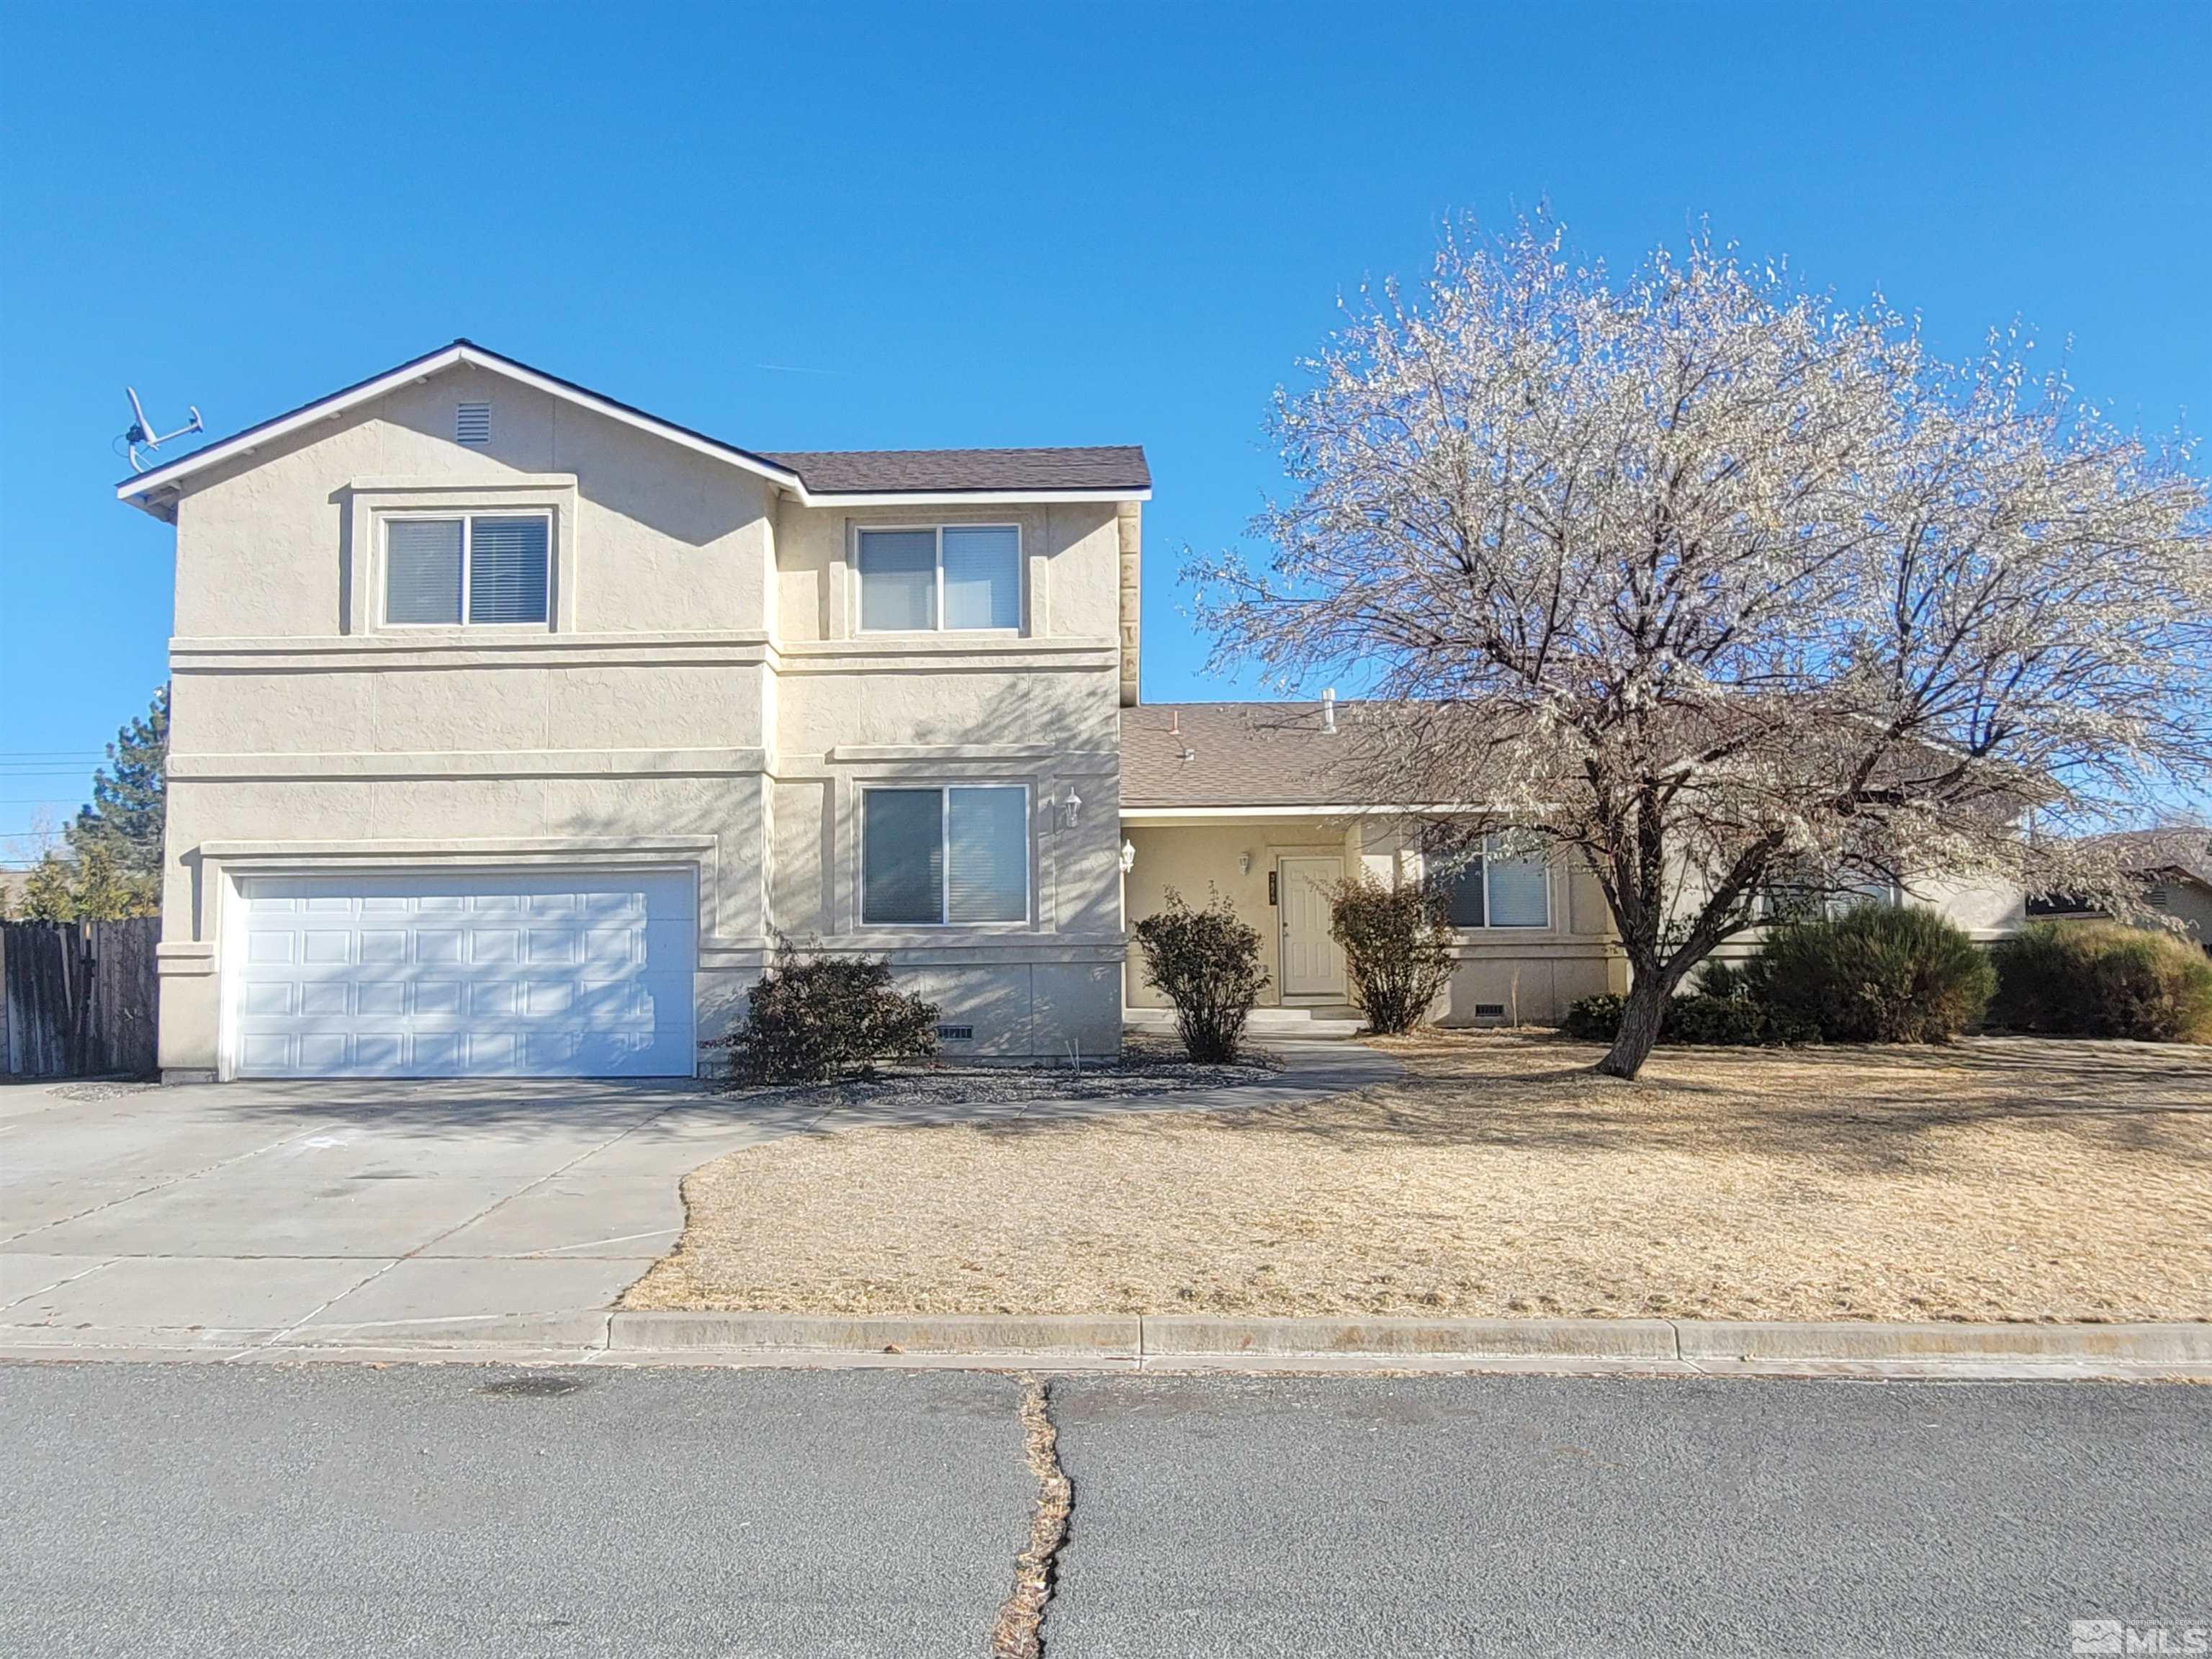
{"x": 823, "y": 228}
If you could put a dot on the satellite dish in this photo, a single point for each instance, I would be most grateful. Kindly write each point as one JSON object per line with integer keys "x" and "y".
{"x": 141, "y": 434}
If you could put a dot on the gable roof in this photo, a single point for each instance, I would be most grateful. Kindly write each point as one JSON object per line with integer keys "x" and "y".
{"x": 889, "y": 477}
{"x": 1179, "y": 756}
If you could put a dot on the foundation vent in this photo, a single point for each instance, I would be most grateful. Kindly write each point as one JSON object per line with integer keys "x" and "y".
{"x": 1490, "y": 1010}
{"x": 956, "y": 1033}
{"x": 473, "y": 423}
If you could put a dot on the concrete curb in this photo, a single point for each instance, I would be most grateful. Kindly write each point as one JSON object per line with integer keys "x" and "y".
{"x": 1171, "y": 1341}
{"x": 1609, "y": 1339}
{"x": 1073, "y": 1334}
{"x": 2158, "y": 1345}
{"x": 1190, "y": 1342}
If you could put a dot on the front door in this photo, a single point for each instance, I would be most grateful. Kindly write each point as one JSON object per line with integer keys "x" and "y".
{"x": 1313, "y": 965}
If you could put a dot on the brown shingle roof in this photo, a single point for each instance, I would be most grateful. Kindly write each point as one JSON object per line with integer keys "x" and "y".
{"x": 864, "y": 472}
{"x": 1231, "y": 754}
{"x": 2149, "y": 852}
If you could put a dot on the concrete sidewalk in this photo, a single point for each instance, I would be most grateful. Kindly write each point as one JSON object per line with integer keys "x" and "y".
{"x": 231, "y": 1218}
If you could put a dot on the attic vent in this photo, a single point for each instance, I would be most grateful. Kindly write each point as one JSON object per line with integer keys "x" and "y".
{"x": 956, "y": 1033}
{"x": 473, "y": 423}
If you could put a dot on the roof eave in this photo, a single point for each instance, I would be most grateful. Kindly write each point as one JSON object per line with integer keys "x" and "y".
{"x": 141, "y": 490}
{"x": 962, "y": 497}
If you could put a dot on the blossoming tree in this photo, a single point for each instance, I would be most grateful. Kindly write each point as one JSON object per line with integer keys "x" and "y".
{"x": 1722, "y": 586}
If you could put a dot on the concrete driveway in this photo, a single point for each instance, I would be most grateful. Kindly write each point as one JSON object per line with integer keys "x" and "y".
{"x": 237, "y": 1218}
{"x": 341, "y": 1214}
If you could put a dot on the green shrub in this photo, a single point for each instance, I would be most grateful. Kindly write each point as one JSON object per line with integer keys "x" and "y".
{"x": 1397, "y": 950}
{"x": 1715, "y": 1022}
{"x": 1206, "y": 962}
{"x": 2101, "y": 979}
{"x": 1874, "y": 975}
{"x": 810, "y": 1020}
{"x": 1593, "y": 1019}
{"x": 1732, "y": 1021}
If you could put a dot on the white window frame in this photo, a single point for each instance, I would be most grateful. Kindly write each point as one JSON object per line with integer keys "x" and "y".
{"x": 944, "y": 850}
{"x": 938, "y": 530}
{"x": 468, "y": 516}
{"x": 1490, "y": 906}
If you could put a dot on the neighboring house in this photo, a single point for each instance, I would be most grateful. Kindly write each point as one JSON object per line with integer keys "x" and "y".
{"x": 2175, "y": 868}
{"x": 511, "y": 724}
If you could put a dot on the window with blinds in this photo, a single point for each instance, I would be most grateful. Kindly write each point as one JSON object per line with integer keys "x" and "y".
{"x": 955, "y": 854}
{"x": 506, "y": 570}
{"x": 898, "y": 579}
{"x": 1519, "y": 886}
{"x": 422, "y": 570}
{"x": 1504, "y": 884}
{"x": 474, "y": 568}
{"x": 963, "y": 576}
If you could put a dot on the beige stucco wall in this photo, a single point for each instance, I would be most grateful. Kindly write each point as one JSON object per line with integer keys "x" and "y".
{"x": 2188, "y": 901}
{"x": 1530, "y": 973}
{"x": 701, "y": 698}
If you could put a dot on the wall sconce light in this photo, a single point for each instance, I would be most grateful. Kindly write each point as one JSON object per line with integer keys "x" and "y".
{"x": 1244, "y": 863}
{"x": 1128, "y": 856}
{"x": 1071, "y": 809}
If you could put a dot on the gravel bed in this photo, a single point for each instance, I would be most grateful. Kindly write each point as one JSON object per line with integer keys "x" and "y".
{"x": 113, "y": 1089}
{"x": 1149, "y": 1065}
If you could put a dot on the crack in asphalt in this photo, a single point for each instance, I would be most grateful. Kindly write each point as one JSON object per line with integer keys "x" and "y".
{"x": 1018, "y": 1632}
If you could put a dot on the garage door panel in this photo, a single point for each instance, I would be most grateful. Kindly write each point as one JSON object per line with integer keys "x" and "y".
{"x": 484, "y": 974}
{"x": 437, "y": 998}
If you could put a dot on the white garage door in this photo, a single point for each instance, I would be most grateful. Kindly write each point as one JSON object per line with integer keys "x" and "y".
{"x": 558, "y": 975}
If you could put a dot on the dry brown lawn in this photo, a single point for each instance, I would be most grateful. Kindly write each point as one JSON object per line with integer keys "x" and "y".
{"x": 1999, "y": 1179}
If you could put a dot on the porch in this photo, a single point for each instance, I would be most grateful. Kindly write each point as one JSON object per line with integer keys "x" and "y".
{"x": 1535, "y": 938}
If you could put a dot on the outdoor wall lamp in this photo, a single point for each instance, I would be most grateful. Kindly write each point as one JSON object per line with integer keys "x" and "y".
{"x": 1244, "y": 863}
{"x": 1071, "y": 809}
{"x": 1128, "y": 856}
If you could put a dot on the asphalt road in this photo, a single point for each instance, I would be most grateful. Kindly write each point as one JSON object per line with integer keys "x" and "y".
{"x": 328, "y": 1510}
{"x": 202, "y": 1511}
{"x": 1559, "y": 1516}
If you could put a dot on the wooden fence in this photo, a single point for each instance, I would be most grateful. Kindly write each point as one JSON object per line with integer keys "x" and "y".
{"x": 81, "y": 996}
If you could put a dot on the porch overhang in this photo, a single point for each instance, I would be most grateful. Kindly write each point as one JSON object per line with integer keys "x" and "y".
{"x": 1153, "y": 818}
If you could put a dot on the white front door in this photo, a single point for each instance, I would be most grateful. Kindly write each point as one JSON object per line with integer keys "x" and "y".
{"x": 1313, "y": 965}
{"x": 492, "y": 973}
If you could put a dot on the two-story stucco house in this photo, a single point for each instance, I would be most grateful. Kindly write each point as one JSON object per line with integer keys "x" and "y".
{"x": 511, "y": 723}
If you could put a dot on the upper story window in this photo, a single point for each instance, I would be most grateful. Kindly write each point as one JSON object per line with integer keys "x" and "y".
{"x": 942, "y": 855}
{"x": 950, "y": 576}
{"x": 471, "y": 568}
{"x": 1507, "y": 884}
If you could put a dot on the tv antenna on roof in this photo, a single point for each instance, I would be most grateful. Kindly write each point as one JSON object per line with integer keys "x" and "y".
{"x": 141, "y": 434}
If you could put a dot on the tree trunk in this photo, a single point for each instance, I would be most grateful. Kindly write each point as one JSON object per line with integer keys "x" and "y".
{"x": 1640, "y": 1019}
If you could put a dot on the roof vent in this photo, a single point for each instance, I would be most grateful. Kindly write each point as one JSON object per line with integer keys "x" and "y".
{"x": 1329, "y": 709}
{"x": 473, "y": 423}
